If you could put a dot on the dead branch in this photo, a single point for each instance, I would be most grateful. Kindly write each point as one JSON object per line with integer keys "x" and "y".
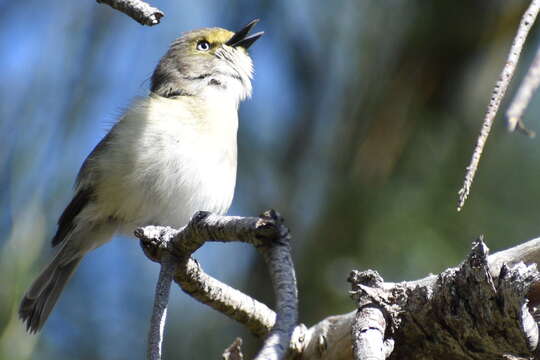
{"x": 368, "y": 332}
{"x": 159, "y": 312}
{"x": 497, "y": 95}
{"x": 138, "y": 10}
{"x": 488, "y": 299}
{"x": 523, "y": 96}
{"x": 462, "y": 313}
{"x": 267, "y": 234}
{"x": 256, "y": 316}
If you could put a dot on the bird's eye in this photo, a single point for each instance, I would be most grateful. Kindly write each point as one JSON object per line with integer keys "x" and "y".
{"x": 203, "y": 45}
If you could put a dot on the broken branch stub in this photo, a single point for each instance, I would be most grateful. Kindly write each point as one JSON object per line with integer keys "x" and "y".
{"x": 464, "y": 313}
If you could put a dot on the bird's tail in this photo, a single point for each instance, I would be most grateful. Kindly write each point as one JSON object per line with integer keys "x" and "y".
{"x": 40, "y": 299}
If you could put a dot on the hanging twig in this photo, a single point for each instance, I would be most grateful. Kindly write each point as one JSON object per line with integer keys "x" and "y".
{"x": 496, "y": 97}
{"x": 523, "y": 96}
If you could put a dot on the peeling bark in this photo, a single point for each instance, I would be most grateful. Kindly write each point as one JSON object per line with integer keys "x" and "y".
{"x": 463, "y": 313}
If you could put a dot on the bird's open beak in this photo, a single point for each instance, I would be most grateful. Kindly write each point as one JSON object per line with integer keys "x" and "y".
{"x": 240, "y": 37}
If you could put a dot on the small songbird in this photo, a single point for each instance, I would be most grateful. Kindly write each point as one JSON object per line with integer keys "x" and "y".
{"x": 171, "y": 154}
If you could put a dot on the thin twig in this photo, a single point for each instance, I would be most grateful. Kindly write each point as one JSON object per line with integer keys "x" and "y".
{"x": 523, "y": 96}
{"x": 497, "y": 96}
{"x": 159, "y": 313}
{"x": 256, "y": 316}
{"x": 138, "y": 10}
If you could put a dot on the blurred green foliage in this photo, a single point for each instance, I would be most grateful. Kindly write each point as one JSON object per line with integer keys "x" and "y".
{"x": 363, "y": 119}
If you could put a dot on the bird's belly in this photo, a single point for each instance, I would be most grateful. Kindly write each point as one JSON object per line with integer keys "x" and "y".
{"x": 203, "y": 185}
{"x": 172, "y": 181}
{"x": 181, "y": 183}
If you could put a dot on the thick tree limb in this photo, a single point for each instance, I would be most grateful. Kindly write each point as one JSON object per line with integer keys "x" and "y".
{"x": 138, "y": 10}
{"x": 528, "y": 252}
{"x": 268, "y": 235}
{"x": 331, "y": 339}
{"x": 511, "y": 282}
{"x": 462, "y": 313}
{"x": 497, "y": 95}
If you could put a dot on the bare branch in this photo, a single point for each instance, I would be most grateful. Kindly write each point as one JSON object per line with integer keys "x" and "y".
{"x": 159, "y": 312}
{"x": 192, "y": 279}
{"x": 256, "y": 316}
{"x": 368, "y": 334}
{"x": 528, "y": 252}
{"x": 279, "y": 261}
{"x": 269, "y": 236}
{"x": 523, "y": 96}
{"x": 331, "y": 338}
{"x": 498, "y": 93}
{"x": 138, "y": 10}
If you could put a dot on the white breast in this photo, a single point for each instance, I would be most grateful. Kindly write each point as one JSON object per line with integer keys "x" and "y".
{"x": 170, "y": 158}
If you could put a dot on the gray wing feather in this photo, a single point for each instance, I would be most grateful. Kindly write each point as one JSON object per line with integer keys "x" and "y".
{"x": 84, "y": 194}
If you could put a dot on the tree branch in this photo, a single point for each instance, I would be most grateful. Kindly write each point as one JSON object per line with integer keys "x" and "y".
{"x": 256, "y": 316}
{"x": 159, "y": 312}
{"x": 138, "y": 10}
{"x": 279, "y": 261}
{"x": 497, "y": 95}
{"x": 331, "y": 338}
{"x": 268, "y": 235}
{"x": 368, "y": 334}
{"x": 523, "y": 96}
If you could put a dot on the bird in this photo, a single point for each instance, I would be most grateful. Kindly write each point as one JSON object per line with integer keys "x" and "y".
{"x": 172, "y": 153}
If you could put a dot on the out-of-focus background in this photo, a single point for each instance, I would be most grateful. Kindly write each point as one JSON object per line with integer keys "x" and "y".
{"x": 363, "y": 118}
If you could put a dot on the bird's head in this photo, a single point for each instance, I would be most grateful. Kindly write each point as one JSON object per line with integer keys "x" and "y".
{"x": 207, "y": 59}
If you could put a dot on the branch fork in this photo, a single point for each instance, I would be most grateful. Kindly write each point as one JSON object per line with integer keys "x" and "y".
{"x": 269, "y": 236}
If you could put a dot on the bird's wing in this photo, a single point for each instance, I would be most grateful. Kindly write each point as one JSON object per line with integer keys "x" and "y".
{"x": 84, "y": 192}
{"x": 66, "y": 222}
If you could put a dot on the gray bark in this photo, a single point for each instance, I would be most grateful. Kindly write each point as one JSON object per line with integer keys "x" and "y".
{"x": 482, "y": 309}
{"x": 138, "y": 10}
{"x": 271, "y": 238}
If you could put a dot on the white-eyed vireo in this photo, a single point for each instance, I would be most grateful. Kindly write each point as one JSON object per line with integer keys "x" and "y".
{"x": 171, "y": 154}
